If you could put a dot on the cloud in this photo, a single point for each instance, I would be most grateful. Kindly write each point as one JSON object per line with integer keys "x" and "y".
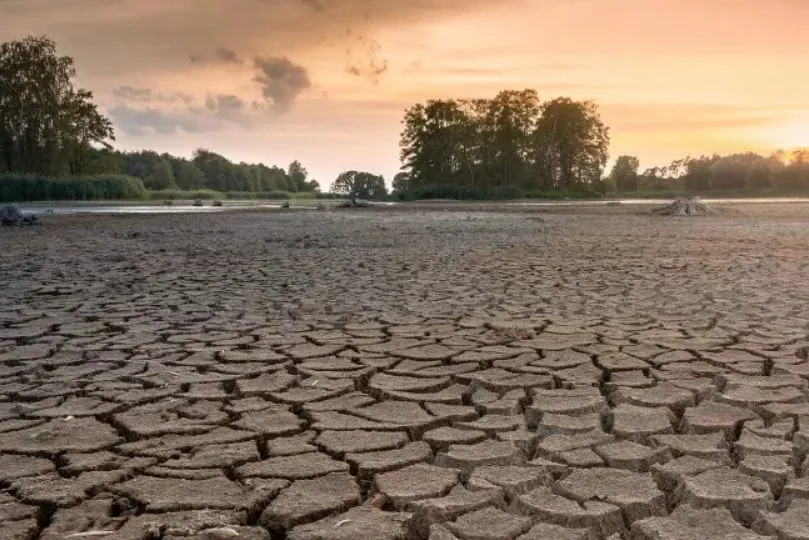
{"x": 218, "y": 112}
{"x": 222, "y": 55}
{"x": 317, "y": 5}
{"x": 281, "y": 81}
{"x": 364, "y": 60}
{"x": 131, "y": 93}
{"x": 155, "y": 36}
{"x": 145, "y": 121}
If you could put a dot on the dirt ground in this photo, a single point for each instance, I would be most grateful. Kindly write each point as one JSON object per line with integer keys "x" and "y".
{"x": 441, "y": 371}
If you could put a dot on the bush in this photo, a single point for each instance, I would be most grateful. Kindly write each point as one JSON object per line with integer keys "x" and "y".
{"x": 178, "y": 194}
{"x": 493, "y": 193}
{"x": 20, "y": 188}
{"x": 564, "y": 195}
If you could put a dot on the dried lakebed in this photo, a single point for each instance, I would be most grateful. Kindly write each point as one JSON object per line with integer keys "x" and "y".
{"x": 406, "y": 374}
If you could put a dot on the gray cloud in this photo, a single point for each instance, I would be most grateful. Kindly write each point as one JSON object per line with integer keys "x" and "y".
{"x": 317, "y": 5}
{"x": 155, "y": 36}
{"x": 218, "y": 112}
{"x": 145, "y": 121}
{"x": 130, "y": 93}
{"x": 222, "y": 55}
{"x": 281, "y": 81}
{"x": 134, "y": 94}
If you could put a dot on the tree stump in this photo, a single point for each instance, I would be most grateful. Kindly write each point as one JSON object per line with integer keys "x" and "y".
{"x": 684, "y": 206}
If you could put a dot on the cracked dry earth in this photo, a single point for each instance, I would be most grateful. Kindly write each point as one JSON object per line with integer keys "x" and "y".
{"x": 406, "y": 374}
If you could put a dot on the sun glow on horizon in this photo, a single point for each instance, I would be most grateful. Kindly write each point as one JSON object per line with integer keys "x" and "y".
{"x": 788, "y": 135}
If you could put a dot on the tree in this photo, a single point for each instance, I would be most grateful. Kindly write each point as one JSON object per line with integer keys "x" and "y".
{"x": 510, "y": 119}
{"x": 401, "y": 183}
{"x": 190, "y": 176}
{"x": 510, "y": 141}
{"x": 624, "y": 175}
{"x": 162, "y": 176}
{"x": 297, "y": 176}
{"x": 571, "y": 145}
{"x": 361, "y": 185}
{"x": 46, "y": 124}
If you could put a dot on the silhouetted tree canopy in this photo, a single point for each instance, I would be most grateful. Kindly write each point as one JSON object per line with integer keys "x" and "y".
{"x": 362, "y": 185}
{"x": 512, "y": 140}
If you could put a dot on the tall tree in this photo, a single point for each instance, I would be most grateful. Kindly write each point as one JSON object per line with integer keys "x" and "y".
{"x": 571, "y": 144}
{"x": 624, "y": 175}
{"x": 46, "y": 124}
{"x": 401, "y": 183}
{"x": 297, "y": 175}
{"x": 362, "y": 185}
{"x": 162, "y": 176}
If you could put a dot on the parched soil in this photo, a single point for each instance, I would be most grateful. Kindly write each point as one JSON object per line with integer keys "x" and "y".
{"x": 425, "y": 371}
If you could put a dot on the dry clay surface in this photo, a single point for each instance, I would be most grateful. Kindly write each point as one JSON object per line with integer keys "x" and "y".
{"x": 411, "y": 374}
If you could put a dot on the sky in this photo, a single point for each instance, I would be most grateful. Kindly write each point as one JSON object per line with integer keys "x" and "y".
{"x": 327, "y": 82}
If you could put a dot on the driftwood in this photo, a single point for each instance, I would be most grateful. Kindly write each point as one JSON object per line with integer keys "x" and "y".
{"x": 684, "y": 206}
{"x": 11, "y": 216}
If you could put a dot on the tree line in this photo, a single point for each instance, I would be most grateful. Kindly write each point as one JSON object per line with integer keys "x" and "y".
{"x": 744, "y": 173}
{"x": 55, "y": 142}
{"x": 511, "y": 142}
{"x": 205, "y": 170}
{"x": 53, "y": 139}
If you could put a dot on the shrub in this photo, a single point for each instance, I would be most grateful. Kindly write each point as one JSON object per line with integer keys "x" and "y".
{"x": 20, "y": 188}
{"x": 178, "y": 194}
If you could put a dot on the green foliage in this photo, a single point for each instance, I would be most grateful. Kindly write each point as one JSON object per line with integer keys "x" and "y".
{"x": 47, "y": 126}
{"x": 162, "y": 177}
{"x": 624, "y": 175}
{"x": 738, "y": 174}
{"x": 512, "y": 140}
{"x": 180, "y": 195}
{"x": 401, "y": 183}
{"x": 362, "y": 185}
{"x": 20, "y": 187}
{"x": 493, "y": 193}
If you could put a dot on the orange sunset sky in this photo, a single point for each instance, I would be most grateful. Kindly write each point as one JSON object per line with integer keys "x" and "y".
{"x": 327, "y": 81}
